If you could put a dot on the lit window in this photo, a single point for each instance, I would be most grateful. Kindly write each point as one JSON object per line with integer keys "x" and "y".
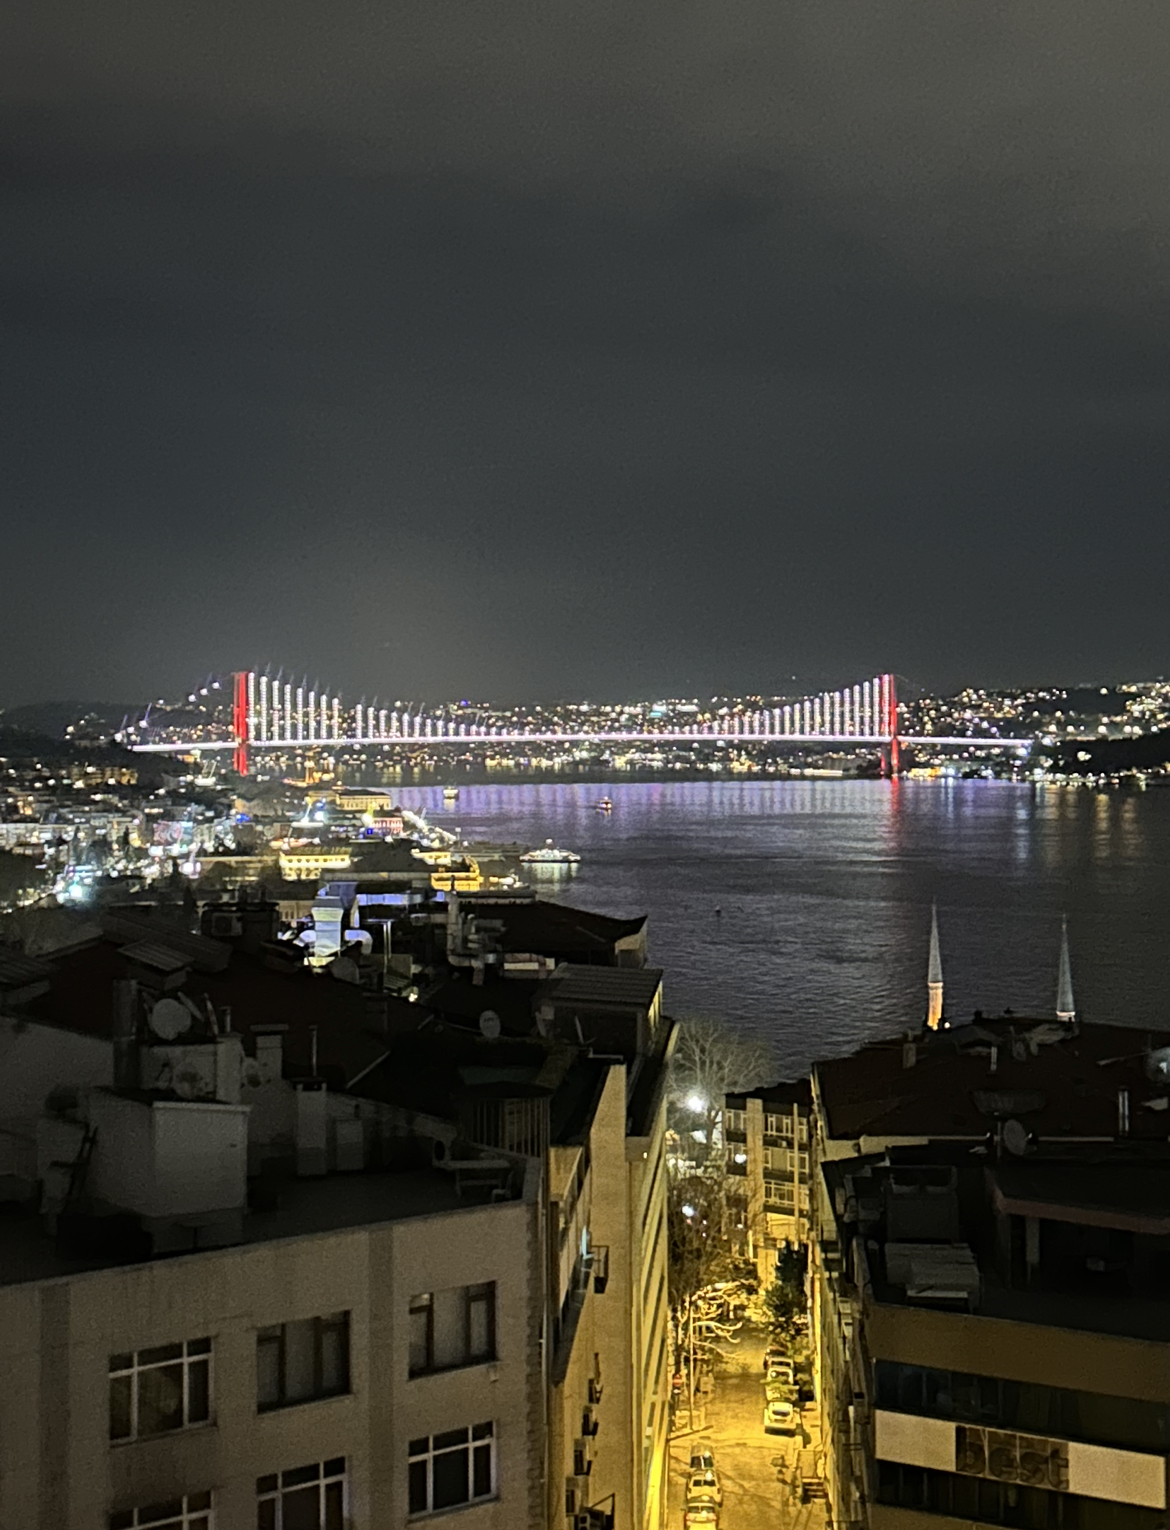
{"x": 305, "y": 1498}
{"x": 296, "y": 1362}
{"x": 452, "y": 1328}
{"x": 447, "y": 1470}
{"x": 155, "y": 1391}
{"x": 192, "y": 1512}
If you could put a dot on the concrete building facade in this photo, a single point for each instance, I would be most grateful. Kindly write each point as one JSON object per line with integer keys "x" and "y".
{"x": 766, "y": 1136}
{"x": 990, "y": 1266}
{"x": 423, "y": 1275}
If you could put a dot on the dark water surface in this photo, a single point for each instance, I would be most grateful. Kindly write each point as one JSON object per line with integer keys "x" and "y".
{"x": 825, "y": 889}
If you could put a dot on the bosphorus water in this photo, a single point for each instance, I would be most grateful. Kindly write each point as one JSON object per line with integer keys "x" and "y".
{"x": 799, "y": 909}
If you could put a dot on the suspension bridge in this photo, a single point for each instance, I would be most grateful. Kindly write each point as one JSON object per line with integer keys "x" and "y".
{"x": 267, "y": 714}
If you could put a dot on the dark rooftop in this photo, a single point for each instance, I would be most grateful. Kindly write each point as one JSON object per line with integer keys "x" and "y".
{"x": 787, "y": 1092}
{"x": 622, "y": 987}
{"x": 932, "y": 1226}
{"x": 554, "y": 929}
{"x": 305, "y": 1207}
{"x": 1058, "y": 1080}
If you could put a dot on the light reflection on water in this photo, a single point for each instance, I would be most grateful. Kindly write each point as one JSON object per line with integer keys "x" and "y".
{"x": 824, "y": 889}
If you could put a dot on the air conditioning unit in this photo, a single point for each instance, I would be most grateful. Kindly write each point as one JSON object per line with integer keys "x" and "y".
{"x": 225, "y": 926}
{"x": 582, "y": 1458}
{"x": 600, "y": 1268}
{"x": 572, "y": 1497}
{"x": 589, "y": 1423}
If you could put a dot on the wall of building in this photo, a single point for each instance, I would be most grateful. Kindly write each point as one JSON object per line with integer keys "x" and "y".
{"x": 35, "y": 1059}
{"x": 651, "y": 1298}
{"x": 58, "y": 1467}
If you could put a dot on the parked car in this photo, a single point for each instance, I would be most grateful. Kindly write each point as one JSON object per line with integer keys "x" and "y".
{"x": 780, "y": 1391}
{"x": 780, "y": 1417}
{"x": 702, "y": 1461}
{"x": 782, "y": 1370}
{"x": 705, "y": 1485}
{"x": 774, "y": 1353}
{"x": 701, "y": 1513}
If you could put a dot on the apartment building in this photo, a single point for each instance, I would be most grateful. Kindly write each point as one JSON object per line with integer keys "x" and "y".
{"x": 766, "y": 1138}
{"x": 274, "y": 1254}
{"x": 991, "y": 1277}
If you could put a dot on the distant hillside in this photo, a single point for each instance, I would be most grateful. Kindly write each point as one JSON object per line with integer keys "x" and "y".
{"x": 51, "y": 718}
{"x": 1105, "y": 757}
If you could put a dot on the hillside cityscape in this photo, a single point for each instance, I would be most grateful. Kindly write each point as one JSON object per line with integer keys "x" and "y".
{"x": 270, "y": 1029}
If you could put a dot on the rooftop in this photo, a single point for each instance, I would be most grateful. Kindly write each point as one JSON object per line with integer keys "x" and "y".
{"x": 304, "y": 1207}
{"x": 617, "y": 987}
{"x": 554, "y": 928}
{"x": 1057, "y": 1080}
{"x": 943, "y": 1227}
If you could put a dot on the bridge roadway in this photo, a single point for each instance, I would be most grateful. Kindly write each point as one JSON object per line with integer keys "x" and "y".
{"x": 416, "y": 740}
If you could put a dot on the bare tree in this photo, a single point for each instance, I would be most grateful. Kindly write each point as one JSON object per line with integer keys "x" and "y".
{"x": 712, "y": 1060}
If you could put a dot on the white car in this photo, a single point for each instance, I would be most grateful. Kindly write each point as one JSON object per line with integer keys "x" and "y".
{"x": 703, "y": 1487}
{"x": 782, "y": 1370}
{"x": 704, "y": 1513}
{"x": 779, "y": 1417}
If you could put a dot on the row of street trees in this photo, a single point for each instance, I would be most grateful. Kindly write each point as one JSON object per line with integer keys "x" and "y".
{"x": 711, "y": 1061}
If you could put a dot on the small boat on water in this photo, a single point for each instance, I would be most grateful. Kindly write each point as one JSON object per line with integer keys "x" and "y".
{"x": 605, "y": 805}
{"x": 550, "y": 855}
{"x": 450, "y": 794}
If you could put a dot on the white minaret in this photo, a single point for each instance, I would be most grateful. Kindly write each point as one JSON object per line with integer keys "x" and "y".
{"x": 1066, "y": 1008}
{"x": 934, "y": 975}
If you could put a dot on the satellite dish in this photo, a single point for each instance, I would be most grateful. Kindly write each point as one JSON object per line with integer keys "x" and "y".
{"x": 344, "y": 970}
{"x": 169, "y": 1019}
{"x": 189, "y": 1084}
{"x": 250, "y": 1075}
{"x": 489, "y": 1025}
{"x": 1158, "y": 1065}
{"x": 1015, "y": 1137}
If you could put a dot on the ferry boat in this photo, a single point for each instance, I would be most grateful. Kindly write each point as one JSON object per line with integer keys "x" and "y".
{"x": 604, "y": 806}
{"x": 450, "y": 794}
{"x": 550, "y": 855}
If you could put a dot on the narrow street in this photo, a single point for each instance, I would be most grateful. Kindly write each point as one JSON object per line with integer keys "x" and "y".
{"x": 729, "y": 1424}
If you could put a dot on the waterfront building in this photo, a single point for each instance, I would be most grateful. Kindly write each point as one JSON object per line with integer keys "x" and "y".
{"x": 301, "y": 863}
{"x": 284, "y": 1251}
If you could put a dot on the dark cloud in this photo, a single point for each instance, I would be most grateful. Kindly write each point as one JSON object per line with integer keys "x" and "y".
{"x": 551, "y": 349}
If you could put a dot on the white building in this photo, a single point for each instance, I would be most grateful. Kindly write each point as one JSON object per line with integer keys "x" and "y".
{"x": 233, "y": 1293}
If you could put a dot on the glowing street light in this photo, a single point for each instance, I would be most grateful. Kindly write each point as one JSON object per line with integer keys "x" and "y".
{"x": 696, "y": 1103}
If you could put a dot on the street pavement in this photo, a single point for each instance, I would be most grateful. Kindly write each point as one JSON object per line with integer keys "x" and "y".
{"x": 729, "y": 1423}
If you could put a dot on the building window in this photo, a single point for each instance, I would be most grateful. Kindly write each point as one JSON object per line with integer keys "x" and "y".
{"x": 158, "y": 1390}
{"x": 306, "y": 1498}
{"x": 779, "y": 1192}
{"x": 192, "y": 1512}
{"x": 450, "y": 1469}
{"x": 296, "y": 1362}
{"x": 452, "y": 1328}
{"x": 735, "y": 1120}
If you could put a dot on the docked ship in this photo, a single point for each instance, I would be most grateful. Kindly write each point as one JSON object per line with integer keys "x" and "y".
{"x": 450, "y": 794}
{"x": 605, "y": 805}
{"x": 550, "y": 855}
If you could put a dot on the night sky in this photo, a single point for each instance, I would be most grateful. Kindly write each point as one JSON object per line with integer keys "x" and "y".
{"x": 510, "y": 349}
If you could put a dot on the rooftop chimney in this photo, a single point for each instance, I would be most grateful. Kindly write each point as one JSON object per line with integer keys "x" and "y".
{"x": 1066, "y": 1008}
{"x": 125, "y": 1033}
{"x": 934, "y": 975}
